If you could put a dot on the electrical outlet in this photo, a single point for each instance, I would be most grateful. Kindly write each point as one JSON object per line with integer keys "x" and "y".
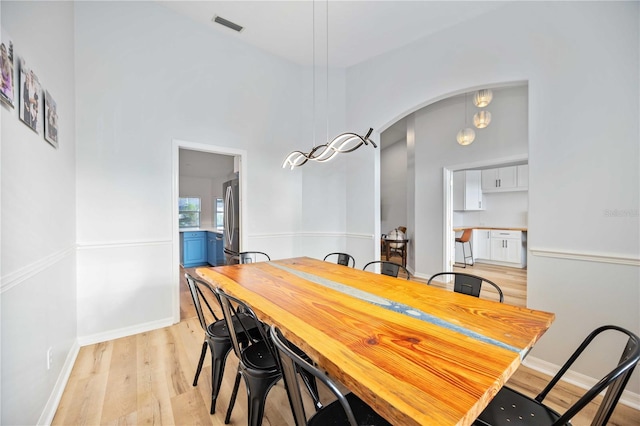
{"x": 49, "y": 358}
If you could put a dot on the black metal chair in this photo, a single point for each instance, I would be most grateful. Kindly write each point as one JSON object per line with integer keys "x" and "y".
{"x": 346, "y": 410}
{"x": 343, "y": 259}
{"x": 468, "y": 284}
{"x": 253, "y": 257}
{"x": 231, "y": 257}
{"x": 510, "y": 407}
{"x": 216, "y": 335}
{"x": 256, "y": 358}
{"x": 388, "y": 268}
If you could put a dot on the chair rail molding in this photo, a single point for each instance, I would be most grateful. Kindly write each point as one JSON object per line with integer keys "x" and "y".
{"x": 312, "y": 235}
{"x": 586, "y": 256}
{"x": 20, "y": 275}
{"x": 122, "y": 244}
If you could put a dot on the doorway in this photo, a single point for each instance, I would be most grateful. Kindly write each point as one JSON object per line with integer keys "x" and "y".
{"x": 427, "y": 136}
{"x": 198, "y": 155}
{"x": 507, "y": 207}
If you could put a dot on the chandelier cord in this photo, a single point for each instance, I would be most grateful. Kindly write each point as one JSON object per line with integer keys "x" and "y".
{"x": 313, "y": 64}
{"x": 465, "y": 109}
{"x": 343, "y": 143}
{"x": 327, "y": 77}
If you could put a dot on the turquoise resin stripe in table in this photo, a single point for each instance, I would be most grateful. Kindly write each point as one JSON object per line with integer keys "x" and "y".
{"x": 397, "y": 307}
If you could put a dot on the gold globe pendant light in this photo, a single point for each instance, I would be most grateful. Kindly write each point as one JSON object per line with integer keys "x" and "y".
{"x": 482, "y": 98}
{"x": 481, "y": 119}
{"x": 466, "y": 135}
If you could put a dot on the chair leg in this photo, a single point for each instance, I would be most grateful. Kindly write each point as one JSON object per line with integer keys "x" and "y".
{"x": 234, "y": 394}
{"x": 471, "y": 250}
{"x": 203, "y": 353}
{"x": 219, "y": 351}
{"x": 257, "y": 391}
{"x": 464, "y": 257}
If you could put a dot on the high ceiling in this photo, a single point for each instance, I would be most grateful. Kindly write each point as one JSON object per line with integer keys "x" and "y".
{"x": 358, "y": 30}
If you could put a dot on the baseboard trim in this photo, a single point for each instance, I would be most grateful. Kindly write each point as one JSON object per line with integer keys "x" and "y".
{"x": 19, "y": 276}
{"x": 628, "y": 398}
{"x": 587, "y": 257}
{"x": 124, "y": 332}
{"x": 50, "y": 408}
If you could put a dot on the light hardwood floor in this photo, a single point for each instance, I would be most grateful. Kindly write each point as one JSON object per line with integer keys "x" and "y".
{"x": 147, "y": 378}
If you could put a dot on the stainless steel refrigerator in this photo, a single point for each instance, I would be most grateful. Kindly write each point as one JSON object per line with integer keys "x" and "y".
{"x": 231, "y": 191}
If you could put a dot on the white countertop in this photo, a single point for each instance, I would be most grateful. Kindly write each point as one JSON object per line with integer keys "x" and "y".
{"x": 506, "y": 228}
{"x": 217, "y": 231}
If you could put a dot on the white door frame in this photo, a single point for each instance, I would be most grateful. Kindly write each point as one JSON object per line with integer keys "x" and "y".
{"x": 241, "y": 154}
{"x": 447, "y": 225}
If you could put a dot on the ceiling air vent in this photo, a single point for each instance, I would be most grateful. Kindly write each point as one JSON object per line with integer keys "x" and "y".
{"x": 220, "y": 20}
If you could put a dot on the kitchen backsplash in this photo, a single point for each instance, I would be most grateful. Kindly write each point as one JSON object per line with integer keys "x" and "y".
{"x": 502, "y": 209}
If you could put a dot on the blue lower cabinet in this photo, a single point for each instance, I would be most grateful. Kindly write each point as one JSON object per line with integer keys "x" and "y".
{"x": 220, "y": 249}
{"x": 193, "y": 248}
{"x": 212, "y": 258}
{"x": 215, "y": 256}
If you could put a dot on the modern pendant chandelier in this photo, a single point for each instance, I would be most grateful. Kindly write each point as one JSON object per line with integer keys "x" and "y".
{"x": 466, "y": 135}
{"x": 341, "y": 144}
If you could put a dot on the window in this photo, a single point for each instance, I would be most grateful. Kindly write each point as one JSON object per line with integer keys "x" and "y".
{"x": 189, "y": 212}
{"x": 219, "y": 213}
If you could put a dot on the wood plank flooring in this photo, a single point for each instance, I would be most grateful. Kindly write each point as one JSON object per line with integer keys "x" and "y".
{"x": 147, "y": 378}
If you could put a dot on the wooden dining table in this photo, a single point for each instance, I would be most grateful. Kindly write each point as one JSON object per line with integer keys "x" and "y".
{"x": 418, "y": 354}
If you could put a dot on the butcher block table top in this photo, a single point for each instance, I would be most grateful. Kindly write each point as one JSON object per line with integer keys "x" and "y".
{"x": 418, "y": 354}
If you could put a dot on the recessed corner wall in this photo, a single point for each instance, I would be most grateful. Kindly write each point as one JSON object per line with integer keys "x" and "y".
{"x": 38, "y": 217}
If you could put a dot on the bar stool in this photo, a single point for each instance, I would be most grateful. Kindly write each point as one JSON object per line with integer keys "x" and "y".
{"x": 464, "y": 238}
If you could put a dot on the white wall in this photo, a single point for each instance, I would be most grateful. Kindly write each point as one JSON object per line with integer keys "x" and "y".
{"x": 581, "y": 62}
{"x": 502, "y": 209}
{"x": 393, "y": 186}
{"x": 38, "y": 218}
{"x": 191, "y": 84}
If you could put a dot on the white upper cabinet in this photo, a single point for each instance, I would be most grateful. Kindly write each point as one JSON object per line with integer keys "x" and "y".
{"x": 467, "y": 190}
{"x": 503, "y": 179}
{"x": 523, "y": 176}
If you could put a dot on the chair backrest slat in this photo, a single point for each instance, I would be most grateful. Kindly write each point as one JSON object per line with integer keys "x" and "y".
{"x": 252, "y": 257}
{"x": 468, "y": 283}
{"x": 388, "y": 268}
{"x": 344, "y": 259}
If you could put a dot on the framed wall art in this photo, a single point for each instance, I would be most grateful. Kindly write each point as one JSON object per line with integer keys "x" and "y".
{"x": 50, "y": 119}
{"x": 30, "y": 98}
{"x": 7, "y": 91}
